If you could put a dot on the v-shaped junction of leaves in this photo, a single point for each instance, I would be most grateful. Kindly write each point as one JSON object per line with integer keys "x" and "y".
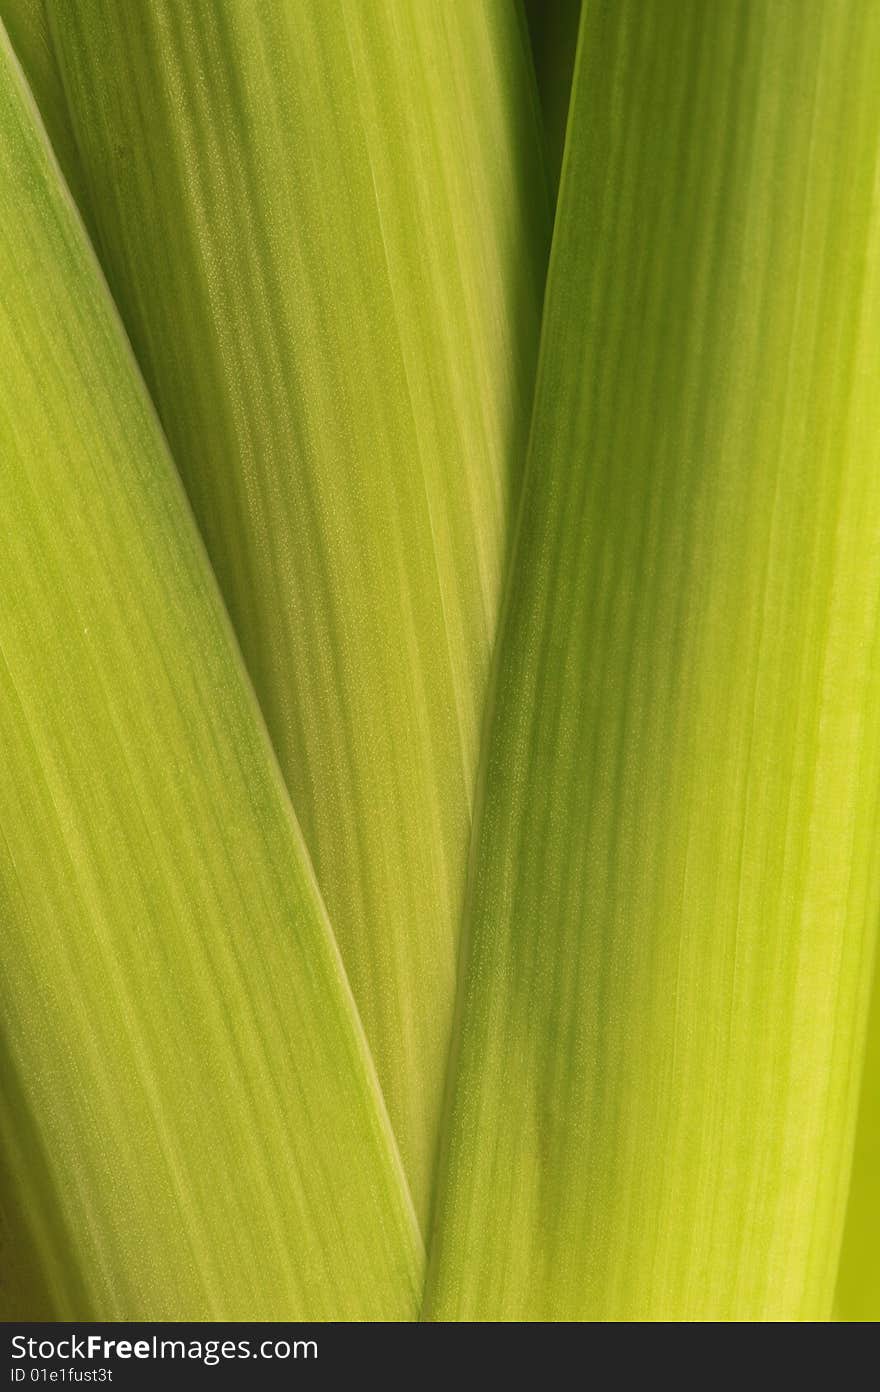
{"x": 325, "y": 225}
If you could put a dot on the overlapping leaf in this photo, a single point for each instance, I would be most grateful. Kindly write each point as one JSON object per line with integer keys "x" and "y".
{"x": 325, "y": 226}
{"x": 190, "y": 1122}
{"x": 27, "y": 29}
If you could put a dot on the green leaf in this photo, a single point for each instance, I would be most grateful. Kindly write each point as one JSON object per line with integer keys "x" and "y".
{"x": 858, "y": 1280}
{"x": 325, "y": 226}
{"x": 673, "y": 897}
{"x": 28, "y": 32}
{"x": 190, "y": 1120}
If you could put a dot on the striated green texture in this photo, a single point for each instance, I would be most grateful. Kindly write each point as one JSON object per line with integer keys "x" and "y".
{"x": 28, "y": 32}
{"x": 858, "y": 1280}
{"x": 674, "y": 883}
{"x": 190, "y": 1123}
{"x": 325, "y": 224}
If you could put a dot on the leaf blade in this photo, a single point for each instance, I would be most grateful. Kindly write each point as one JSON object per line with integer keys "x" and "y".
{"x": 674, "y": 872}
{"x": 179, "y": 1105}
{"x": 857, "y": 1298}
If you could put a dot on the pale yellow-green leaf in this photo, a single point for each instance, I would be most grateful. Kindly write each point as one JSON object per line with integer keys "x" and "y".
{"x": 190, "y": 1123}
{"x": 324, "y": 223}
{"x": 858, "y": 1280}
{"x": 674, "y": 882}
